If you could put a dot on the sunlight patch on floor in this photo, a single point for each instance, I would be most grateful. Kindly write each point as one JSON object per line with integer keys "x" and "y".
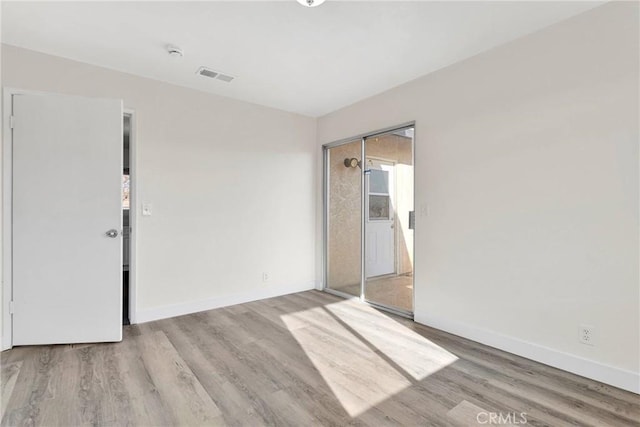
{"x": 364, "y": 356}
{"x": 410, "y": 351}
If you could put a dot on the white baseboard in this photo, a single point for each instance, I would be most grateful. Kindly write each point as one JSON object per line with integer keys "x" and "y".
{"x": 269, "y": 291}
{"x": 621, "y": 378}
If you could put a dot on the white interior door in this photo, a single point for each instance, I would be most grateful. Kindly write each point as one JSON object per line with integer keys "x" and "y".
{"x": 67, "y": 172}
{"x": 380, "y": 226}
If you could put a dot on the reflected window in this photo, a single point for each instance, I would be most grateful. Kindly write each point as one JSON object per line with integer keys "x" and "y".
{"x": 378, "y": 207}
{"x": 379, "y": 198}
{"x": 379, "y": 181}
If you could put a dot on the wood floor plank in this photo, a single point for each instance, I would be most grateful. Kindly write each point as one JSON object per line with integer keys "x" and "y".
{"x": 184, "y": 397}
{"x": 8, "y": 377}
{"x": 306, "y": 359}
{"x": 236, "y": 407}
{"x": 467, "y": 414}
{"x": 70, "y": 391}
{"x": 147, "y": 405}
{"x": 32, "y": 387}
{"x": 253, "y": 384}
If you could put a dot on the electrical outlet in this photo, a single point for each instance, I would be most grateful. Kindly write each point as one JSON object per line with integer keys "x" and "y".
{"x": 265, "y": 277}
{"x": 587, "y": 335}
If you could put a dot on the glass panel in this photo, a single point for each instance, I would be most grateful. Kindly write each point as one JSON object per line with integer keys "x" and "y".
{"x": 344, "y": 215}
{"x": 379, "y": 181}
{"x": 378, "y": 208}
{"x": 388, "y": 235}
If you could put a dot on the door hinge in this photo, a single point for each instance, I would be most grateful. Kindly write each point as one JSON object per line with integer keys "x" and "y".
{"x": 11, "y": 121}
{"x": 11, "y": 307}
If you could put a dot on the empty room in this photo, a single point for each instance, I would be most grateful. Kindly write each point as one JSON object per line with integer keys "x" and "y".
{"x": 320, "y": 213}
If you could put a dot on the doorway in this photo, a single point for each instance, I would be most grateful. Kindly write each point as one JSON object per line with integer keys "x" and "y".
{"x": 126, "y": 217}
{"x": 369, "y": 218}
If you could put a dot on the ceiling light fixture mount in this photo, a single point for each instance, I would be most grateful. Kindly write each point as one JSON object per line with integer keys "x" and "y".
{"x": 174, "y": 51}
{"x": 311, "y": 3}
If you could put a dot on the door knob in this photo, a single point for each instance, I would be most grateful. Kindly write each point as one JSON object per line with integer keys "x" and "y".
{"x": 113, "y": 233}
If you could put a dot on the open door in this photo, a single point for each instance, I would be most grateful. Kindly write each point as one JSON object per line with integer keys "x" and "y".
{"x": 67, "y": 219}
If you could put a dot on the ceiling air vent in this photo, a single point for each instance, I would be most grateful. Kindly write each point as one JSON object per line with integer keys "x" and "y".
{"x": 225, "y": 78}
{"x": 207, "y": 72}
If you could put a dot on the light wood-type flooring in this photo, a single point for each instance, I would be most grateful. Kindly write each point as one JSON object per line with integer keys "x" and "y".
{"x": 304, "y": 359}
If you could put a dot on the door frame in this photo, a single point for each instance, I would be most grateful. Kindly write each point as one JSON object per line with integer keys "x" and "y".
{"x": 6, "y": 334}
{"x": 133, "y": 214}
{"x": 325, "y": 216}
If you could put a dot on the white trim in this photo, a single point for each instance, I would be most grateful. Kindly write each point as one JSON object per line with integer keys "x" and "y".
{"x": 164, "y": 312}
{"x": 7, "y": 219}
{"x": 133, "y": 215}
{"x": 617, "y": 377}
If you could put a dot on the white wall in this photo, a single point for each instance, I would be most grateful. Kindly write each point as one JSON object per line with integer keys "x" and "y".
{"x": 229, "y": 183}
{"x": 527, "y": 161}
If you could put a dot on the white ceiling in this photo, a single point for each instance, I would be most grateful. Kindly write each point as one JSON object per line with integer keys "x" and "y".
{"x": 306, "y": 60}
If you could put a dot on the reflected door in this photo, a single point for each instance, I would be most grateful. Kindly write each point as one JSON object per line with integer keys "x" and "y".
{"x": 380, "y": 224}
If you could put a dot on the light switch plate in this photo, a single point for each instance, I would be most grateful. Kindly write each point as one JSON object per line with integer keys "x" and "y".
{"x": 146, "y": 209}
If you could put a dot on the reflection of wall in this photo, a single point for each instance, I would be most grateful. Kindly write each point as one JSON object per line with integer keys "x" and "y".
{"x": 404, "y": 200}
{"x": 343, "y": 259}
{"x": 345, "y": 201}
{"x": 390, "y": 147}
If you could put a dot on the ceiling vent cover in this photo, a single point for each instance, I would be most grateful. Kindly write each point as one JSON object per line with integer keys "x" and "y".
{"x": 225, "y": 78}
{"x": 208, "y": 72}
